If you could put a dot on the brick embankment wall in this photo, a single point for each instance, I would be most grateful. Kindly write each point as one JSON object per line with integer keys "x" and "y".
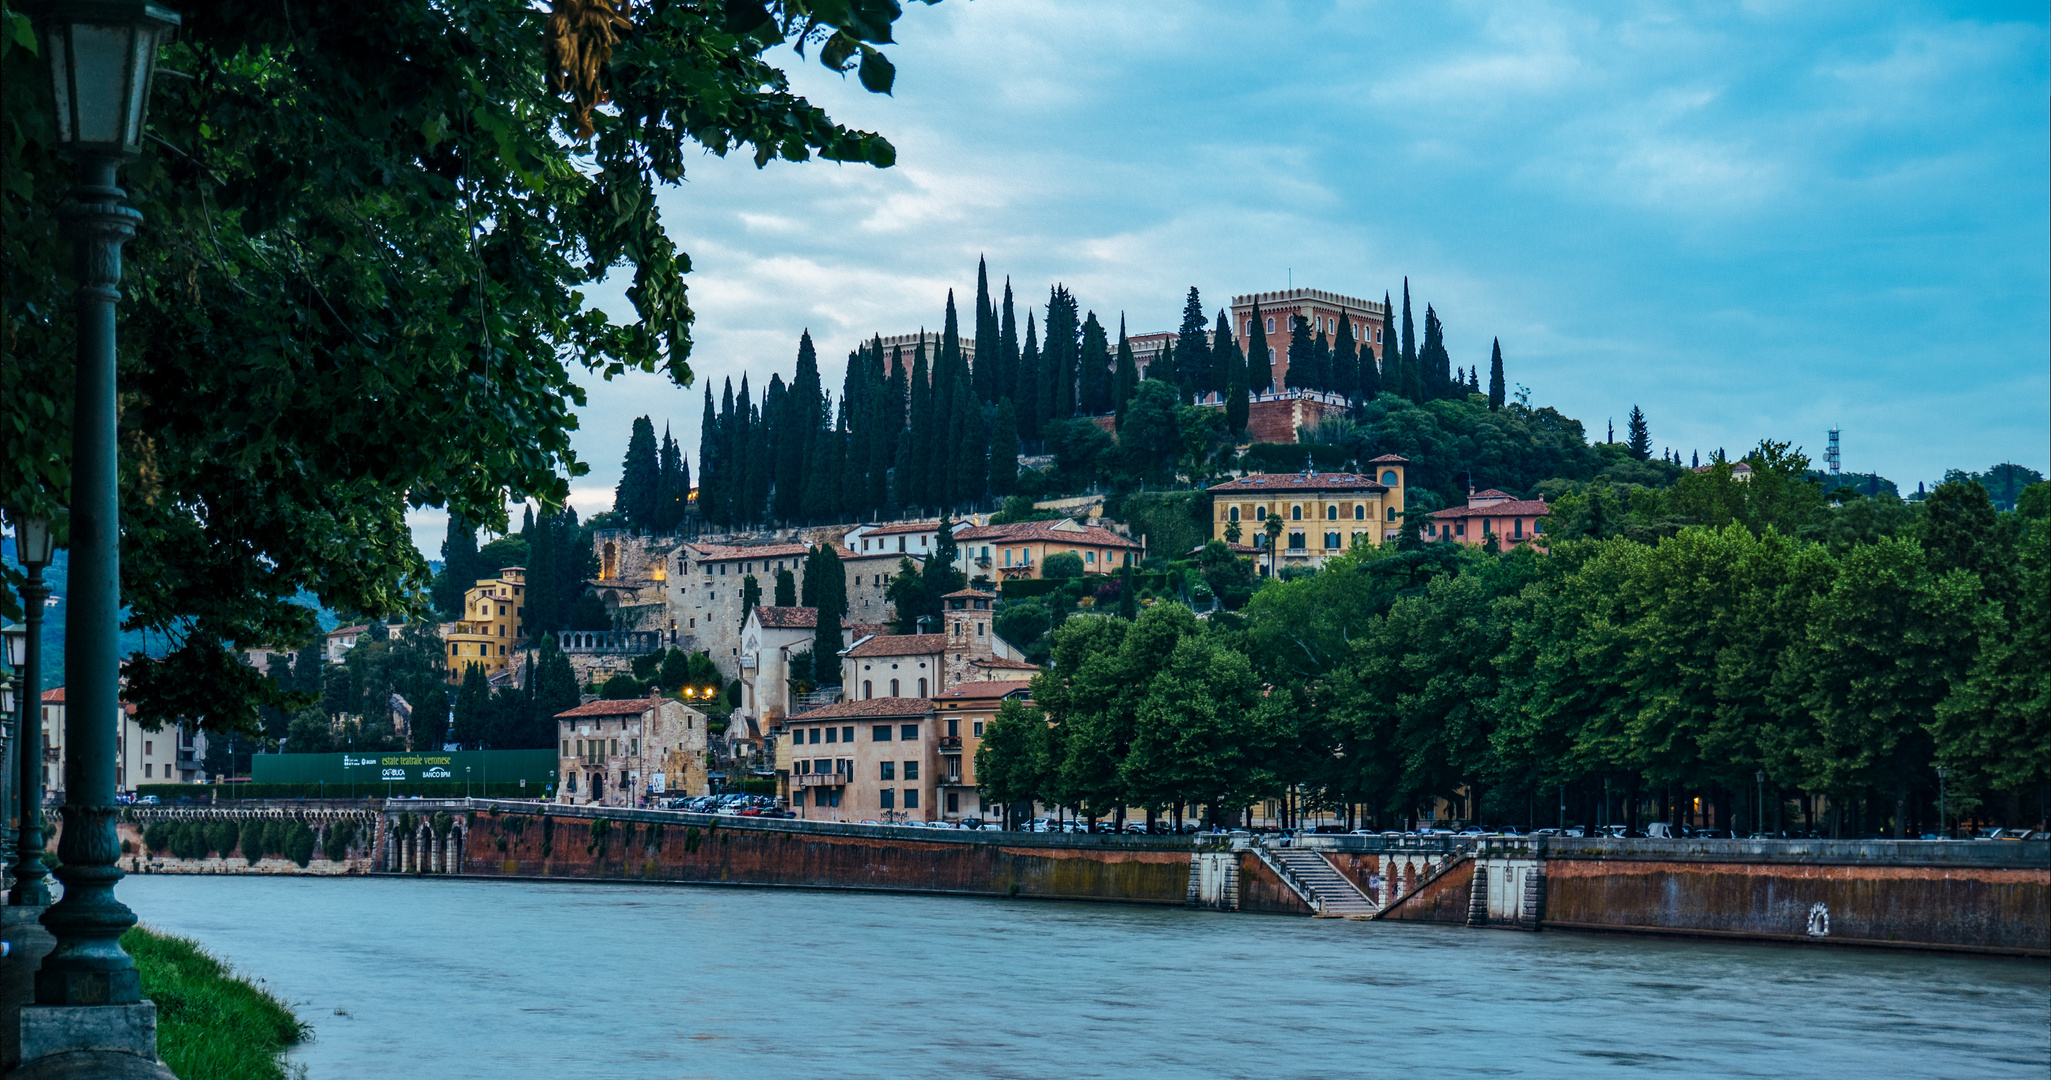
{"x": 1260, "y": 890}
{"x": 1983, "y": 909}
{"x": 1443, "y": 899}
{"x": 642, "y": 846}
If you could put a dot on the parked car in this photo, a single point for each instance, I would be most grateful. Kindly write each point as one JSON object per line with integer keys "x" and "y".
{"x": 1714, "y": 834}
{"x": 1471, "y": 830}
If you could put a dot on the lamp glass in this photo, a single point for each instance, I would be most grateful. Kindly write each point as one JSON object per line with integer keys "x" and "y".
{"x": 100, "y": 57}
{"x": 7, "y": 699}
{"x": 17, "y": 645}
{"x": 32, "y": 542}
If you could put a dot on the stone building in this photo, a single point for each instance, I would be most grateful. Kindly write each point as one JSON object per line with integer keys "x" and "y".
{"x": 489, "y": 632}
{"x": 1512, "y": 521}
{"x": 1019, "y": 550}
{"x": 868, "y": 584}
{"x": 867, "y": 760}
{"x": 1322, "y": 514}
{"x": 1322, "y": 310}
{"x": 623, "y": 753}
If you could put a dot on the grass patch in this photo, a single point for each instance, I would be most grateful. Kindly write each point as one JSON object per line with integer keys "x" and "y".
{"x": 210, "y": 1024}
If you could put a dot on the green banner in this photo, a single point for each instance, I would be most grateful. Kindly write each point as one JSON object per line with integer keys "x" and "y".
{"x": 536, "y": 767}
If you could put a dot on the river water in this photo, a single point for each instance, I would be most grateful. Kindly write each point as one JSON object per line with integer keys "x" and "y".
{"x": 457, "y": 979}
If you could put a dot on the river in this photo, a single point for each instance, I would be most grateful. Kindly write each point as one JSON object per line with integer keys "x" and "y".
{"x": 487, "y": 979}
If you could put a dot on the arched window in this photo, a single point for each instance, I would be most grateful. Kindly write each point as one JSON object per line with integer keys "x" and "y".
{"x": 1232, "y": 514}
{"x": 1271, "y": 329}
{"x": 1390, "y": 478}
{"x": 1360, "y": 511}
{"x": 868, "y": 690}
{"x": 1260, "y": 513}
{"x": 1296, "y": 513}
{"x": 1332, "y": 512}
{"x": 893, "y": 688}
{"x": 1392, "y": 513}
{"x": 1271, "y": 352}
{"x": 922, "y": 688}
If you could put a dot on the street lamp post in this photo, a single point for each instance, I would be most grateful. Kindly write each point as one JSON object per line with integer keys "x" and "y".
{"x": 33, "y": 547}
{"x": 100, "y": 57}
{"x": 1760, "y": 776}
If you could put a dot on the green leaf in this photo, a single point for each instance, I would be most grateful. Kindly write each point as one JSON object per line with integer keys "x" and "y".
{"x": 877, "y": 72}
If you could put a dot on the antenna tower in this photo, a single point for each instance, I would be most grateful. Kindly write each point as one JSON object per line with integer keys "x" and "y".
{"x": 1830, "y": 456}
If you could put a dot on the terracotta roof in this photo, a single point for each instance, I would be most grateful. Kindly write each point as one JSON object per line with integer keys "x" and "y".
{"x": 1005, "y": 663}
{"x": 627, "y": 707}
{"x": 982, "y": 691}
{"x": 342, "y": 631}
{"x": 877, "y": 707}
{"x": 56, "y": 695}
{"x": 1236, "y": 549}
{"x": 1273, "y": 482}
{"x": 723, "y": 552}
{"x": 856, "y": 631}
{"x": 1491, "y": 493}
{"x": 1390, "y": 459}
{"x": 787, "y": 618}
{"x": 1512, "y": 508}
{"x": 901, "y": 645}
{"x": 1087, "y": 535}
{"x": 964, "y": 594}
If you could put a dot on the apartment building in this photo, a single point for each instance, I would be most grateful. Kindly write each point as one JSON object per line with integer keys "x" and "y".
{"x": 489, "y": 632}
{"x": 866, "y": 760}
{"x": 169, "y": 755}
{"x": 959, "y": 717}
{"x": 1021, "y": 549}
{"x": 1322, "y": 515}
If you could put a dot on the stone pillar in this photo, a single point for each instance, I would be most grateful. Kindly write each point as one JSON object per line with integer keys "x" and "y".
{"x": 1477, "y": 896}
{"x": 1532, "y": 911}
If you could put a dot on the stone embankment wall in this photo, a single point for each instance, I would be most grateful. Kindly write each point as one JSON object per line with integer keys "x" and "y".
{"x": 359, "y": 857}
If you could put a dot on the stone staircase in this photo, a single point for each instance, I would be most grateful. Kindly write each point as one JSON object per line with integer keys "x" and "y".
{"x": 1336, "y": 895}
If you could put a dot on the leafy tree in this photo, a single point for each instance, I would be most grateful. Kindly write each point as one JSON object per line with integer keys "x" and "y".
{"x": 1014, "y": 761}
{"x": 1148, "y": 442}
{"x": 907, "y": 596}
{"x": 421, "y": 203}
{"x": 621, "y": 688}
{"x": 751, "y": 595}
{"x": 1066, "y": 564}
{"x": 473, "y": 709}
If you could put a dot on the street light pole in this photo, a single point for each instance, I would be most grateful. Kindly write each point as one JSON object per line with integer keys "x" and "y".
{"x": 1943, "y": 833}
{"x": 100, "y": 58}
{"x": 1760, "y": 825}
{"x": 32, "y": 546}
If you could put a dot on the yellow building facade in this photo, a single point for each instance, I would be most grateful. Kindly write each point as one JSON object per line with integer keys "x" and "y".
{"x": 1322, "y": 515}
{"x": 489, "y": 631}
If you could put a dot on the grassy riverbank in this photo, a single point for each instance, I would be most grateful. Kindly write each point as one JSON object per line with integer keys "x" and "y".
{"x": 210, "y": 1024}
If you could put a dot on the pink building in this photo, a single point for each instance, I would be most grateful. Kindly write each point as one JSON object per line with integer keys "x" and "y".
{"x": 1491, "y": 513}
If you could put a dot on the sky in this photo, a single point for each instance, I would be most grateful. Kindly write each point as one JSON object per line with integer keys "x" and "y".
{"x": 1753, "y": 220}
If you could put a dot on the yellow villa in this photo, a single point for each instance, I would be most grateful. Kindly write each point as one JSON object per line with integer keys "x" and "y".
{"x": 486, "y": 635}
{"x": 1321, "y": 514}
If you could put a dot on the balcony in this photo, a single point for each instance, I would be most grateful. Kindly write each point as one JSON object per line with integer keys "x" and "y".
{"x": 818, "y": 779}
{"x": 950, "y": 742}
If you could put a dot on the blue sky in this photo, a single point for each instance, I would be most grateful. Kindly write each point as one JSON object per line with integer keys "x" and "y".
{"x": 1751, "y": 219}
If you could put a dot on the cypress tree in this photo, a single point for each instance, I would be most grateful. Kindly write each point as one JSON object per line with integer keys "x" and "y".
{"x": 543, "y": 614}
{"x": 1345, "y": 367}
{"x": 1321, "y": 362}
{"x": 708, "y": 438}
{"x": 890, "y": 395}
{"x": 759, "y": 462}
{"x": 969, "y": 474}
{"x": 1192, "y": 354}
{"x": 1409, "y": 387}
{"x": 1058, "y": 354}
{"x": 730, "y": 456}
{"x": 1495, "y": 376}
{"x": 1435, "y": 366}
{"x": 1005, "y": 382}
{"x": 1301, "y": 374}
{"x": 1093, "y": 368}
{"x": 751, "y": 596}
{"x": 822, "y": 495}
{"x": 786, "y": 589}
{"x": 1237, "y": 405}
{"x": 949, "y": 474}
{"x": 639, "y": 488}
{"x": 940, "y": 576}
{"x": 987, "y": 347}
{"x": 1125, "y": 374}
{"x": 459, "y": 568}
{"x": 1221, "y": 351}
{"x": 948, "y": 363}
{"x": 1639, "y": 435}
{"x": 1004, "y": 449}
{"x": 805, "y": 414}
{"x": 1032, "y": 414}
{"x": 1260, "y": 370}
{"x": 918, "y": 468}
